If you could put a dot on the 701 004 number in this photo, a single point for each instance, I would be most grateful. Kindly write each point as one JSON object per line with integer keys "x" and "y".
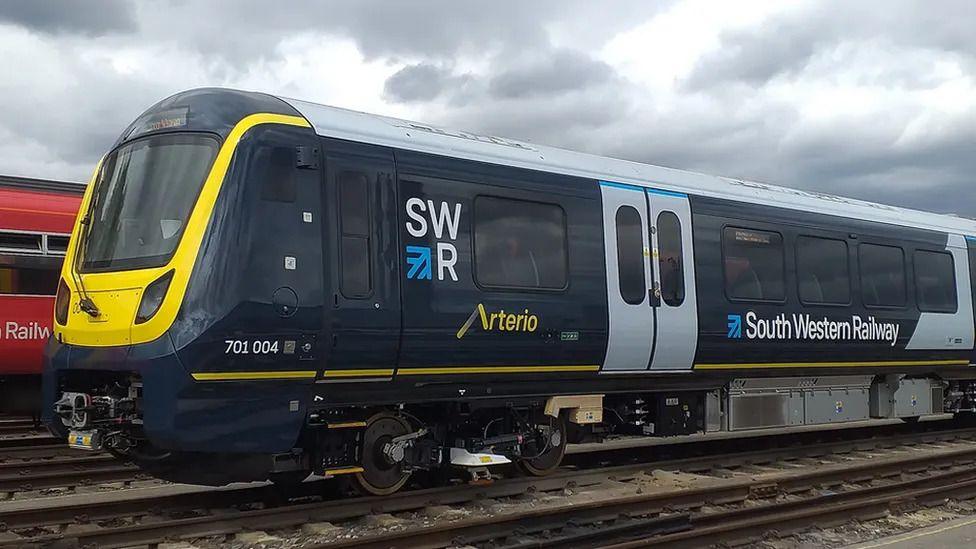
{"x": 256, "y": 347}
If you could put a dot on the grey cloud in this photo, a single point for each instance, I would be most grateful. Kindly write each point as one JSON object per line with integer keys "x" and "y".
{"x": 546, "y": 95}
{"x": 754, "y": 58}
{"x": 432, "y": 30}
{"x": 787, "y": 43}
{"x": 936, "y": 173}
{"x": 81, "y": 122}
{"x": 438, "y": 28}
{"x": 545, "y": 73}
{"x": 861, "y": 159}
{"x": 583, "y": 121}
{"x": 942, "y": 191}
{"x": 56, "y": 16}
{"x": 521, "y": 87}
{"x": 567, "y": 121}
{"x": 558, "y": 72}
{"x": 710, "y": 137}
{"x": 423, "y": 82}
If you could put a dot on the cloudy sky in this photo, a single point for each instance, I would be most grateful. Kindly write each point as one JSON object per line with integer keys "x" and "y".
{"x": 874, "y": 99}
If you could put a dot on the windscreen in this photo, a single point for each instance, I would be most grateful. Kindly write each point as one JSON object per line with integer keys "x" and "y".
{"x": 142, "y": 200}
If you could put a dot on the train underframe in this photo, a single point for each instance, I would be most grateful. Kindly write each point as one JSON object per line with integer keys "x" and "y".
{"x": 382, "y": 446}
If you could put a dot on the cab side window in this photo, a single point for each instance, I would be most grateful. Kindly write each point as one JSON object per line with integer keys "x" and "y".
{"x": 276, "y": 170}
{"x": 355, "y": 280}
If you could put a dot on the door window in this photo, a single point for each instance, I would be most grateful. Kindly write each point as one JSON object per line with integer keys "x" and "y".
{"x": 630, "y": 255}
{"x": 669, "y": 258}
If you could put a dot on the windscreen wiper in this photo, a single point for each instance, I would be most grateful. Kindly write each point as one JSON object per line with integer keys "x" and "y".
{"x": 85, "y": 303}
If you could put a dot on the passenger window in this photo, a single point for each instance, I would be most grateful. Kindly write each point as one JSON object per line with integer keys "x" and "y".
{"x": 519, "y": 244}
{"x": 57, "y": 245}
{"x": 354, "y": 253}
{"x": 823, "y": 271}
{"x": 882, "y": 275}
{"x": 21, "y": 242}
{"x": 21, "y": 281}
{"x": 669, "y": 258}
{"x": 935, "y": 282}
{"x": 753, "y": 265}
{"x": 630, "y": 255}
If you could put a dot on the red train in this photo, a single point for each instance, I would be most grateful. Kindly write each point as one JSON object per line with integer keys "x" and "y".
{"x": 36, "y": 218}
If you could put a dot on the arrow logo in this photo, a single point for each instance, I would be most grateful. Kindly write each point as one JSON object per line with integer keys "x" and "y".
{"x": 418, "y": 258}
{"x": 735, "y": 326}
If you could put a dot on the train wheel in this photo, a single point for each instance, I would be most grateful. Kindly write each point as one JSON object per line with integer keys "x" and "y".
{"x": 552, "y": 446}
{"x": 381, "y": 476}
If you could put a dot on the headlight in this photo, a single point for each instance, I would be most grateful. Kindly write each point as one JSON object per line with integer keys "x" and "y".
{"x": 152, "y": 298}
{"x": 61, "y": 303}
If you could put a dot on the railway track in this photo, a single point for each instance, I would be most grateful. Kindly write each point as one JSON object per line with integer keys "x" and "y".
{"x": 21, "y": 426}
{"x": 65, "y": 472}
{"x": 35, "y": 441}
{"x": 39, "y": 450}
{"x": 48, "y": 464}
{"x": 713, "y": 499}
{"x": 32, "y": 459}
{"x": 677, "y": 518}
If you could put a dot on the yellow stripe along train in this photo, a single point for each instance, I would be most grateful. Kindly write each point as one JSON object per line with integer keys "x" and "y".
{"x": 259, "y": 287}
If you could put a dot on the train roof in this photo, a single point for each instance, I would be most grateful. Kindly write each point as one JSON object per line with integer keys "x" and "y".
{"x": 219, "y": 109}
{"x": 45, "y": 185}
{"x": 382, "y": 130}
{"x": 37, "y": 205}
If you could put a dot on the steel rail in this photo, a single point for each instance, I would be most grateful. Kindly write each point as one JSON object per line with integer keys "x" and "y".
{"x": 21, "y": 426}
{"x": 46, "y": 515}
{"x": 671, "y": 511}
{"x": 14, "y": 442}
{"x": 748, "y": 524}
{"x": 294, "y": 514}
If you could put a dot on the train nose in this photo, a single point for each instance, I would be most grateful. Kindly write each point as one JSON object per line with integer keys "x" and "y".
{"x": 110, "y": 323}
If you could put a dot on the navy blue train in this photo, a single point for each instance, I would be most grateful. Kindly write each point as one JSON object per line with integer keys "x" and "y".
{"x": 259, "y": 287}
